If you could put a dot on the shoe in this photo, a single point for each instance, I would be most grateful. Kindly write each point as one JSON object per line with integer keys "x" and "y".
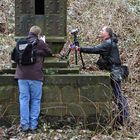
{"x": 33, "y": 131}
{"x": 117, "y": 127}
{"x": 121, "y": 122}
{"x": 127, "y": 122}
{"x": 22, "y": 130}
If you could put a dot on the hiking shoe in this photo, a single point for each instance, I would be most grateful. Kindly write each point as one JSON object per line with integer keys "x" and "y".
{"x": 24, "y": 131}
{"x": 33, "y": 131}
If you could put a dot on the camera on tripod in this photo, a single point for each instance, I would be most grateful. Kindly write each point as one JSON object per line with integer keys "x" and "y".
{"x": 75, "y": 43}
{"x": 75, "y": 31}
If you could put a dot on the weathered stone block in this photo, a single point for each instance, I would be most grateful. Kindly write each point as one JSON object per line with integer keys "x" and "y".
{"x": 89, "y": 109}
{"x": 51, "y": 94}
{"x": 31, "y": 11}
{"x": 10, "y": 113}
{"x": 93, "y": 79}
{"x": 54, "y": 109}
{"x": 7, "y": 79}
{"x": 39, "y": 20}
{"x": 61, "y": 80}
{"x": 11, "y": 109}
{"x": 56, "y": 7}
{"x": 61, "y": 71}
{"x": 56, "y": 28}
{"x": 80, "y": 109}
{"x": 51, "y": 62}
{"x": 105, "y": 108}
{"x": 74, "y": 109}
{"x": 55, "y": 64}
{"x": 69, "y": 94}
{"x": 6, "y": 71}
{"x": 78, "y": 79}
{"x": 17, "y": 94}
{"x": 95, "y": 93}
{"x": 23, "y": 24}
{"x": 7, "y": 94}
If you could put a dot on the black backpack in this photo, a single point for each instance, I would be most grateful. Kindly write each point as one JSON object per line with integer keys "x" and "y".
{"x": 24, "y": 53}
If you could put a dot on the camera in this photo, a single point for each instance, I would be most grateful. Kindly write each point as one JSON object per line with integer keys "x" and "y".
{"x": 75, "y": 31}
{"x": 34, "y": 42}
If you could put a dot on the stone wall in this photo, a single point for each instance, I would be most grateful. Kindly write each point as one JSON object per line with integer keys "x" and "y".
{"x": 66, "y": 94}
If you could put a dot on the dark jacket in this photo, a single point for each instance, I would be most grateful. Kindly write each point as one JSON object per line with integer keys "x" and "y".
{"x": 108, "y": 51}
{"x": 34, "y": 71}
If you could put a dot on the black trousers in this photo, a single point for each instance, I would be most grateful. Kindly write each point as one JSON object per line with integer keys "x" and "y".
{"x": 120, "y": 100}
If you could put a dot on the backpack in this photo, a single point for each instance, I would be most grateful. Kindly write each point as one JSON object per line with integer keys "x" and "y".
{"x": 119, "y": 73}
{"x": 102, "y": 64}
{"x": 24, "y": 53}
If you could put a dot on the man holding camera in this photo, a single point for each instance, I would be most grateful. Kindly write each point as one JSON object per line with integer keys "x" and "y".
{"x": 110, "y": 59}
{"x": 30, "y": 83}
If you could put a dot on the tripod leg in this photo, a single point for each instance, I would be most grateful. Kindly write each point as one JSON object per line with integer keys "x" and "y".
{"x": 76, "y": 57}
{"x": 67, "y": 53}
{"x": 83, "y": 64}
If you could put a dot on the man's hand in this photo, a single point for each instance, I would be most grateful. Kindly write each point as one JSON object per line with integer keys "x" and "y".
{"x": 56, "y": 55}
{"x": 72, "y": 47}
{"x": 43, "y": 38}
{"x": 77, "y": 48}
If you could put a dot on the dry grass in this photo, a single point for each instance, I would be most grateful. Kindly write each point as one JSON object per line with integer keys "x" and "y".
{"x": 123, "y": 16}
{"x": 90, "y": 16}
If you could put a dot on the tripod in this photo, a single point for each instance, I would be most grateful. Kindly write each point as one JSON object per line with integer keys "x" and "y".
{"x": 75, "y": 43}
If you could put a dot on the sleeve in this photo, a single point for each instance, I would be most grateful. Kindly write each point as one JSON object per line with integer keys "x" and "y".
{"x": 43, "y": 49}
{"x": 99, "y": 49}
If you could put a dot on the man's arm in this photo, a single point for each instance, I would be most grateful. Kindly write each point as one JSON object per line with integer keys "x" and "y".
{"x": 99, "y": 49}
{"x": 43, "y": 49}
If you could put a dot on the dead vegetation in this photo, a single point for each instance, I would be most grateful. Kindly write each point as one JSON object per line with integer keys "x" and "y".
{"x": 90, "y": 16}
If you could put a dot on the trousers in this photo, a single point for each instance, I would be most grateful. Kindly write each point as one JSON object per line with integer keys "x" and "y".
{"x": 120, "y": 100}
{"x": 30, "y": 93}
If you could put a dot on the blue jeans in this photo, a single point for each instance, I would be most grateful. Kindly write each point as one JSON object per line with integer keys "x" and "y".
{"x": 120, "y": 100}
{"x": 30, "y": 92}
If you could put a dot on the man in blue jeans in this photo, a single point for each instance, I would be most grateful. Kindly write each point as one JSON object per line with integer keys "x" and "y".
{"x": 109, "y": 59}
{"x": 30, "y": 81}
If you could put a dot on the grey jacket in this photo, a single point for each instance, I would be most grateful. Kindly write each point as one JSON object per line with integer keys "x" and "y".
{"x": 108, "y": 50}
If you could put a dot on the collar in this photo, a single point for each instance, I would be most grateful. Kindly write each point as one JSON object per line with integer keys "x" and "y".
{"x": 31, "y": 34}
